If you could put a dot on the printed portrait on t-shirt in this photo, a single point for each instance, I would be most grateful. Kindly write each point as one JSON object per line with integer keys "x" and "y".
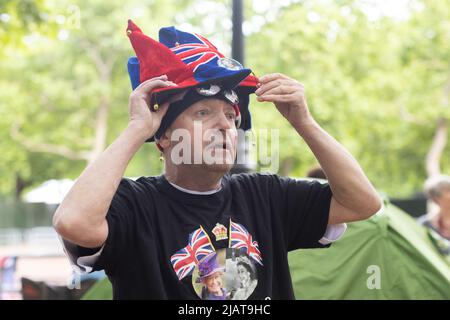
{"x": 208, "y": 277}
{"x": 224, "y": 274}
{"x": 241, "y": 274}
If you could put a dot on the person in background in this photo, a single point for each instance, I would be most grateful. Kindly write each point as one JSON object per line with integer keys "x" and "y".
{"x": 437, "y": 189}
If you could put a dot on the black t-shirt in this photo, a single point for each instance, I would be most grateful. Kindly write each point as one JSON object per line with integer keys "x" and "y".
{"x": 164, "y": 243}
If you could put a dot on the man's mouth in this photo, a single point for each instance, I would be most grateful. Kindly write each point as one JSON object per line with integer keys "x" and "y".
{"x": 224, "y": 146}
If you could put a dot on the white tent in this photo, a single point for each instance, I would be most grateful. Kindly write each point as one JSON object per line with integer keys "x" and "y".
{"x": 50, "y": 192}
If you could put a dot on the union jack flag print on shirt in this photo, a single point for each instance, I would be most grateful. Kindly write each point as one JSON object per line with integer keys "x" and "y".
{"x": 185, "y": 260}
{"x": 241, "y": 239}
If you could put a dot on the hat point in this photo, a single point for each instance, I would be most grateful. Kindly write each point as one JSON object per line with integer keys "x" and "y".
{"x": 132, "y": 26}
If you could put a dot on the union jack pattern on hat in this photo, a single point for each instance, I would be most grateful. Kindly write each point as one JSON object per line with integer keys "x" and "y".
{"x": 189, "y": 60}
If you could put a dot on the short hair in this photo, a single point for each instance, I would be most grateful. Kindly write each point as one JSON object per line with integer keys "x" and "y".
{"x": 434, "y": 185}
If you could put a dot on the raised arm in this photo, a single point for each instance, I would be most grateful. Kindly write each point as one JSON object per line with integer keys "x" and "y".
{"x": 354, "y": 197}
{"x": 81, "y": 217}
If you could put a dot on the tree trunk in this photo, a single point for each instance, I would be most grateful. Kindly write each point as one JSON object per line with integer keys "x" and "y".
{"x": 21, "y": 184}
{"x": 101, "y": 126}
{"x": 434, "y": 155}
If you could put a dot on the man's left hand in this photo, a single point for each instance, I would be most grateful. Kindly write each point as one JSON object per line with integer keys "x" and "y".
{"x": 288, "y": 95}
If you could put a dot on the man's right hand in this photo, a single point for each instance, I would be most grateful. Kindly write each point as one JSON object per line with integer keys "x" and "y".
{"x": 139, "y": 109}
{"x": 81, "y": 216}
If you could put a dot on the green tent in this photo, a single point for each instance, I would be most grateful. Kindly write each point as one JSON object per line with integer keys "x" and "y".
{"x": 102, "y": 290}
{"x": 388, "y": 256}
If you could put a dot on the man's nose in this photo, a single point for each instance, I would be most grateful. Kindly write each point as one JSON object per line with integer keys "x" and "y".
{"x": 223, "y": 122}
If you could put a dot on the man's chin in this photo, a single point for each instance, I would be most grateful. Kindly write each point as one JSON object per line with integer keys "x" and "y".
{"x": 218, "y": 167}
{"x": 219, "y": 162}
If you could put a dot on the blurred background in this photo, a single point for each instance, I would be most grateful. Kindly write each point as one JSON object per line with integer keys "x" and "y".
{"x": 376, "y": 72}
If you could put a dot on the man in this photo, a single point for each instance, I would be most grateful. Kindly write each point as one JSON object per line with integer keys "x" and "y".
{"x": 150, "y": 235}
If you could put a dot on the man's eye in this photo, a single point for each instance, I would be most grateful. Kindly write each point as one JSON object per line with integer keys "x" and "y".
{"x": 202, "y": 113}
{"x": 231, "y": 116}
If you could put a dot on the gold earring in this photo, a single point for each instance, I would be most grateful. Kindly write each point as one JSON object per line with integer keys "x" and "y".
{"x": 161, "y": 158}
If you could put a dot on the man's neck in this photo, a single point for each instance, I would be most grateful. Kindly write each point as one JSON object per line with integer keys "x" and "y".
{"x": 194, "y": 180}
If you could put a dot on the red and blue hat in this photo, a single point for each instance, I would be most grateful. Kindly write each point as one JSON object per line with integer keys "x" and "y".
{"x": 189, "y": 60}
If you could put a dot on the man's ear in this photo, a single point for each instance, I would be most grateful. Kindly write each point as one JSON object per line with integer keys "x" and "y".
{"x": 164, "y": 141}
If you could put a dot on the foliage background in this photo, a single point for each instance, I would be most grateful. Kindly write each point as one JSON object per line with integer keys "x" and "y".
{"x": 378, "y": 80}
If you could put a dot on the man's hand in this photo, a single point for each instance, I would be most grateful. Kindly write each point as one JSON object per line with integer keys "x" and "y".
{"x": 288, "y": 95}
{"x": 140, "y": 114}
{"x": 354, "y": 197}
{"x": 81, "y": 217}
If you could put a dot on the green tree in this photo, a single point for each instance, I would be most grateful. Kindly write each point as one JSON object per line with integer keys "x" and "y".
{"x": 379, "y": 85}
{"x": 376, "y": 85}
{"x": 65, "y": 96}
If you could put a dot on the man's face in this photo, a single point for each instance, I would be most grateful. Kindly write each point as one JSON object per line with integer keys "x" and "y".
{"x": 210, "y": 124}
